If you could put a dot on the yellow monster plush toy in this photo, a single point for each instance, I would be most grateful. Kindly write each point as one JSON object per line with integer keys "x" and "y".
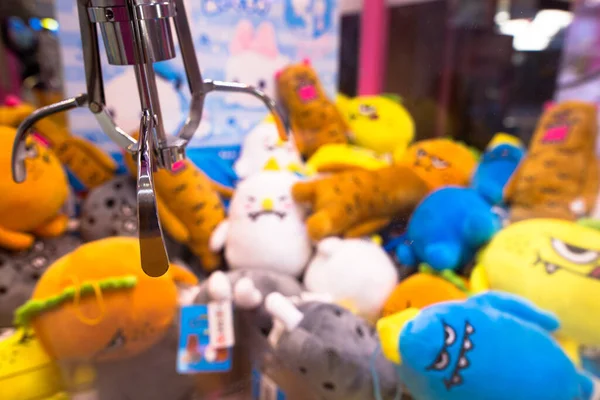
{"x": 96, "y": 303}
{"x": 378, "y": 123}
{"x": 90, "y": 165}
{"x": 439, "y": 162}
{"x": 34, "y": 207}
{"x": 26, "y": 371}
{"x": 189, "y": 207}
{"x": 554, "y": 263}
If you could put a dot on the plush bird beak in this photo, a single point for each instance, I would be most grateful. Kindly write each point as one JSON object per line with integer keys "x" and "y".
{"x": 280, "y": 142}
{"x": 267, "y": 204}
{"x": 389, "y": 329}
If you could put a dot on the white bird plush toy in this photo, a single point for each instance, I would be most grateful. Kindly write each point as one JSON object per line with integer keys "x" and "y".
{"x": 265, "y": 228}
{"x": 357, "y": 273}
{"x": 262, "y": 144}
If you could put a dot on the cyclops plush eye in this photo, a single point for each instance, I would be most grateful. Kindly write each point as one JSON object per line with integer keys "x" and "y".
{"x": 574, "y": 254}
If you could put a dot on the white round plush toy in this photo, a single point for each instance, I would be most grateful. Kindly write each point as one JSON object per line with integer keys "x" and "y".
{"x": 357, "y": 273}
{"x": 262, "y": 144}
{"x": 265, "y": 228}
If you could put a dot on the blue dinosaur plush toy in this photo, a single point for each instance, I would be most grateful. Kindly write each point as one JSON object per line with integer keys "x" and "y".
{"x": 447, "y": 228}
{"x": 493, "y": 346}
{"x": 495, "y": 169}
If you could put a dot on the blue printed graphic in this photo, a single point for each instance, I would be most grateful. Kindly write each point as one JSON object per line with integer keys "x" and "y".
{"x": 316, "y": 16}
{"x": 195, "y": 354}
{"x": 237, "y": 40}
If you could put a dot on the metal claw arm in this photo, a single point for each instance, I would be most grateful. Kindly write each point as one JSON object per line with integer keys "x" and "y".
{"x": 155, "y": 261}
{"x": 219, "y": 86}
{"x": 17, "y": 158}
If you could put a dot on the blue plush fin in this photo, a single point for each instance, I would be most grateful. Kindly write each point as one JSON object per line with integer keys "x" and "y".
{"x": 406, "y": 255}
{"x": 478, "y": 228}
{"x": 587, "y": 386}
{"x": 443, "y": 255}
{"x": 519, "y": 307}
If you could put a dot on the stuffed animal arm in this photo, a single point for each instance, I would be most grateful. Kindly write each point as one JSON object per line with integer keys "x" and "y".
{"x": 219, "y": 236}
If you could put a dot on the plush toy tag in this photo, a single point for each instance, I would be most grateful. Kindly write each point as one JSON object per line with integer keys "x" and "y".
{"x": 206, "y": 338}
{"x": 220, "y": 323}
{"x": 263, "y": 387}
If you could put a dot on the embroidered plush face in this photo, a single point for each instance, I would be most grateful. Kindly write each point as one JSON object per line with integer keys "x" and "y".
{"x": 97, "y": 304}
{"x": 444, "y": 351}
{"x": 440, "y": 162}
{"x": 28, "y": 205}
{"x": 554, "y": 263}
{"x": 299, "y": 86}
{"x": 379, "y": 124}
{"x": 265, "y": 197}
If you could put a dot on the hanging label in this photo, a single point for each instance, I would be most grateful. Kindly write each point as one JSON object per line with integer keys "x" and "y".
{"x": 220, "y": 322}
{"x": 263, "y": 387}
{"x": 198, "y": 352}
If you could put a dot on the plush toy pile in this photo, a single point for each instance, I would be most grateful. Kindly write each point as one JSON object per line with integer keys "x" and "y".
{"x": 362, "y": 264}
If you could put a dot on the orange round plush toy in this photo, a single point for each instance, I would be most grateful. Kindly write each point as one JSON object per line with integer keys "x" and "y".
{"x": 421, "y": 290}
{"x": 440, "y": 162}
{"x": 33, "y": 207}
{"x": 97, "y": 304}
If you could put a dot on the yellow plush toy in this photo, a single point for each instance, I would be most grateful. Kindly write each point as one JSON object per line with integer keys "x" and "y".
{"x": 90, "y": 165}
{"x": 97, "y": 304}
{"x": 26, "y": 371}
{"x": 342, "y": 157}
{"x": 555, "y": 264}
{"x": 32, "y": 208}
{"x": 378, "y": 123}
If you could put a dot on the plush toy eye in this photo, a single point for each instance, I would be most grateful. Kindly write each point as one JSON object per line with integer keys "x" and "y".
{"x": 366, "y": 109}
{"x": 449, "y": 335}
{"x": 441, "y": 362}
{"x": 283, "y": 198}
{"x": 251, "y": 199}
{"x": 577, "y": 255}
{"x": 439, "y": 163}
{"x": 421, "y": 153}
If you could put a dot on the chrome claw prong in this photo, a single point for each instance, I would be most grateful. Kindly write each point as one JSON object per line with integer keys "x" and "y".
{"x": 153, "y": 253}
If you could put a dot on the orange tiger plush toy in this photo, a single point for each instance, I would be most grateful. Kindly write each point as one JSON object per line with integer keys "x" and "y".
{"x": 314, "y": 119}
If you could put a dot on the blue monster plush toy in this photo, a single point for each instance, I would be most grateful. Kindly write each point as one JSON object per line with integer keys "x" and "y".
{"x": 452, "y": 223}
{"x": 447, "y": 228}
{"x": 495, "y": 169}
{"x": 493, "y": 346}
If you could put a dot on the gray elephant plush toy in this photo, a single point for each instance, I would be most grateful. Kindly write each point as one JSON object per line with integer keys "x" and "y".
{"x": 20, "y": 272}
{"x": 324, "y": 352}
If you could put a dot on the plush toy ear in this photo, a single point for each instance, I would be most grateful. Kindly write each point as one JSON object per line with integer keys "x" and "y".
{"x": 548, "y": 105}
{"x": 329, "y": 246}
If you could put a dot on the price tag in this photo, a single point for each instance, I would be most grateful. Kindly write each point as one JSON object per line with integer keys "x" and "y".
{"x": 201, "y": 350}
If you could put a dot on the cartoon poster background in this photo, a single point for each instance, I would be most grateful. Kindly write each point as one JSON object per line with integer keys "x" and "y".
{"x": 579, "y": 76}
{"x": 239, "y": 40}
